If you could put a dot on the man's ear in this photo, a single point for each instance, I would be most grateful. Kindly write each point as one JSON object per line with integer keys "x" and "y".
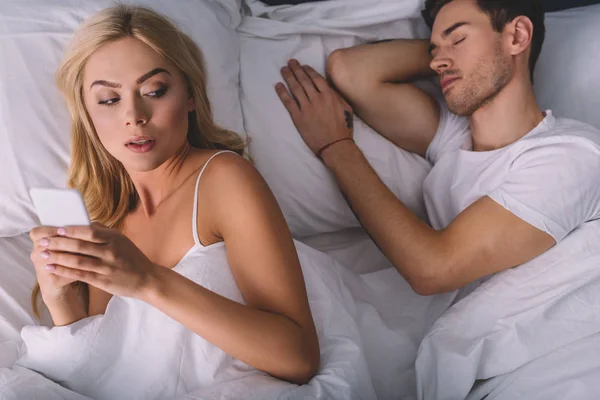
{"x": 521, "y": 29}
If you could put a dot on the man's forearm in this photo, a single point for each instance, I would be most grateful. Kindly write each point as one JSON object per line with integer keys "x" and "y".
{"x": 408, "y": 242}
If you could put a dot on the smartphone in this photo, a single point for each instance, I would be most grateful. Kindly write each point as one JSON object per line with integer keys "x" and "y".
{"x": 59, "y": 207}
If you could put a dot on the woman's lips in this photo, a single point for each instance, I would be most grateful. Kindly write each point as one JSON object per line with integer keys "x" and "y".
{"x": 141, "y": 148}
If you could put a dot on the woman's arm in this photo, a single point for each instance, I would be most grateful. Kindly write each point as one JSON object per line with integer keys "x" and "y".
{"x": 275, "y": 331}
{"x": 66, "y": 309}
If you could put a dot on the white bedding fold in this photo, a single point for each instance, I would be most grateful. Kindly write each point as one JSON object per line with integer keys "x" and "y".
{"x": 520, "y": 317}
{"x": 136, "y": 352}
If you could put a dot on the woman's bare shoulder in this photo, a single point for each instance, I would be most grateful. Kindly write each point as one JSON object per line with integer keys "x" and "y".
{"x": 231, "y": 180}
{"x": 225, "y": 168}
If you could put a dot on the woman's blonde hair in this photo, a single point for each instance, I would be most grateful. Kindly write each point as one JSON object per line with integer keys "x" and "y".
{"x": 106, "y": 187}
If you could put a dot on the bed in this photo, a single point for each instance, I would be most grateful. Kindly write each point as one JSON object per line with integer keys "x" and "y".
{"x": 504, "y": 340}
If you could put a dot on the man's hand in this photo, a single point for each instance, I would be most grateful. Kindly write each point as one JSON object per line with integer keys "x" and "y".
{"x": 320, "y": 114}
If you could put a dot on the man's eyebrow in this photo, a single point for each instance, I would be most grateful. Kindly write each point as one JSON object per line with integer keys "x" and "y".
{"x": 447, "y": 33}
{"x": 454, "y": 27}
{"x": 141, "y": 79}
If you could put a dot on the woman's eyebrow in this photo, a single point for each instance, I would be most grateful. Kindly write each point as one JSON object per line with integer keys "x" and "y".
{"x": 141, "y": 79}
{"x": 150, "y": 74}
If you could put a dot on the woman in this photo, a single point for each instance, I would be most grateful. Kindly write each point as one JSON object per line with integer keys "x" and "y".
{"x": 146, "y": 159}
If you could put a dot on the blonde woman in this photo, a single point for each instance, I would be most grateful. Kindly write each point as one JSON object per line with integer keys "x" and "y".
{"x": 173, "y": 203}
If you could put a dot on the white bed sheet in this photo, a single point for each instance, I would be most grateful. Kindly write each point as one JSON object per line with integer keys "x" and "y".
{"x": 391, "y": 317}
{"x": 512, "y": 330}
{"x": 407, "y": 318}
{"x": 571, "y": 372}
{"x": 17, "y": 278}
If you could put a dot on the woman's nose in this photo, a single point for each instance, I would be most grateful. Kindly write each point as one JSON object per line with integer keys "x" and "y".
{"x": 136, "y": 113}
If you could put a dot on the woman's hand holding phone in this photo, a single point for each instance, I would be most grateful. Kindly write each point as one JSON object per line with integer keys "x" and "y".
{"x": 53, "y": 288}
{"x": 55, "y": 208}
{"x": 99, "y": 256}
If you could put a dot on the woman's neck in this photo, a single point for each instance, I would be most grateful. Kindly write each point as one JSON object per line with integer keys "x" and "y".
{"x": 156, "y": 186}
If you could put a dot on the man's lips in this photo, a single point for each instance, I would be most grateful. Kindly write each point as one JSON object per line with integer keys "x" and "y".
{"x": 446, "y": 82}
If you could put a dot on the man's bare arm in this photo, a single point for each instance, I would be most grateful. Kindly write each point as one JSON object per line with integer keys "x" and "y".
{"x": 375, "y": 80}
{"x": 484, "y": 239}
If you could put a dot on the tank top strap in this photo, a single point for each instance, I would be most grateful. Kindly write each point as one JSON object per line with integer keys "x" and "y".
{"x": 195, "y": 211}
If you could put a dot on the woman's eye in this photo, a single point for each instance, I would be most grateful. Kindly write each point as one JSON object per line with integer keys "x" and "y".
{"x": 158, "y": 93}
{"x": 109, "y": 102}
{"x": 460, "y": 41}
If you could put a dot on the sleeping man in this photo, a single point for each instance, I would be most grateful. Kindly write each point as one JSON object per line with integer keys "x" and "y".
{"x": 509, "y": 181}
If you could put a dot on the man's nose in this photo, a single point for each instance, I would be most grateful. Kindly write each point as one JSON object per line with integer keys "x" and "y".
{"x": 441, "y": 63}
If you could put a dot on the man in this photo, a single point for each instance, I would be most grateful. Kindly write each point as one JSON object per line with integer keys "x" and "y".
{"x": 508, "y": 181}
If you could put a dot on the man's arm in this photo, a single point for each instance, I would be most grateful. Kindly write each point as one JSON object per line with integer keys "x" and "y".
{"x": 484, "y": 239}
{"x": 375, "y": 80}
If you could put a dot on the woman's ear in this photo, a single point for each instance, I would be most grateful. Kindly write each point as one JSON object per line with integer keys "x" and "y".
{"x": 191, "y": 104}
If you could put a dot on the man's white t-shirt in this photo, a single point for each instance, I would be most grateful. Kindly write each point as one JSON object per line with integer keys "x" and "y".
{"x": 549, "y": 178}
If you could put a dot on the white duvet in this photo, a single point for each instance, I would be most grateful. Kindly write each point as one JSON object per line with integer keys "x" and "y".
{"x": 531, "y": 332}
{"x": 134, "y": 351}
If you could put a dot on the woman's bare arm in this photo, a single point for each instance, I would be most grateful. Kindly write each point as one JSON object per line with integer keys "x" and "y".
{"x": 274, "y": 332}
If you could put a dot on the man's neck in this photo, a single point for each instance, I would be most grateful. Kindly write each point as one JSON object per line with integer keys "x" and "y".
{"x": 506, "y": 118}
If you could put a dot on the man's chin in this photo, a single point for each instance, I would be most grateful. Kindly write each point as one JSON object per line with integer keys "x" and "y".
{"x": 460, "y": 108}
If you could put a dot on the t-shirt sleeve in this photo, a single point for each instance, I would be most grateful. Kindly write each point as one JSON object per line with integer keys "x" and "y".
{"x": 554, "y": 187}
{"x": 452, "y": 134}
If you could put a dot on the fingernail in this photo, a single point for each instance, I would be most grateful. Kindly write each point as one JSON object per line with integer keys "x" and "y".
{"x": 50, "y": 267}
{"x": 45, "y": 255}
{"x": 44, "y": 242}
{"x": 62, "y": 231}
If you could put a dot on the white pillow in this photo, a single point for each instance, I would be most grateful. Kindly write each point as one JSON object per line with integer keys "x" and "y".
{"x": 34, "y": 123}
{"x": 566, "y": 75}
{"x": 305, "y": 190}
{"x": 566, "y": 82}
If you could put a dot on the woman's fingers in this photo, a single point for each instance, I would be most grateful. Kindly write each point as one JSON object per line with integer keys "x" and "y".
{"x": 75, "y": 261}
{"x": 72, "y": 274}
{"x": 92, "y": 233}
{"x": 40, "y": 232}
{"x": 70, "y": 245}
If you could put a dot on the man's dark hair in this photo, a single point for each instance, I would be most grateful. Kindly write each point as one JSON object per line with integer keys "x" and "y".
{"x": 502, "y": 12}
